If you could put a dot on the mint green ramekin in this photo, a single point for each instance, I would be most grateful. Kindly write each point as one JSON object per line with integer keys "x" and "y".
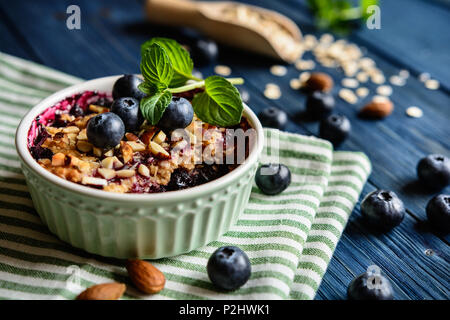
{"x": 147, "y": 226}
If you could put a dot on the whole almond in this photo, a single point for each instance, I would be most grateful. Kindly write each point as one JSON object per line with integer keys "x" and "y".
{"x": 104, "y": 291}
{"x": 145, "y": 276}
{"x": 377, "y": 109}
{"x": 319, "y": 81}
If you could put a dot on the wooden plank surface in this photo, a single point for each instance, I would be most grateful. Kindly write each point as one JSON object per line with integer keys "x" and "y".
{"x": 108, "y": 43}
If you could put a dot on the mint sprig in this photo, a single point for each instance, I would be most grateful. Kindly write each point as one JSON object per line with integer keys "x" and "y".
{"x": 166, "y": 66}
{"x": 220, "y": 104}
{"x": 156, "y": 67}
{"x": 181, "y": 61}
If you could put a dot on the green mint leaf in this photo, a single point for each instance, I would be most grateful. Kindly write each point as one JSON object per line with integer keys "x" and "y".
{"x": 148, "y": 88}
{"x": 156, "y": 67}
{"x": 152, "y": 108}
{"x": 179, "y": 57}
{"x": 364, "y": 4}
{"x": 220, "y": 104}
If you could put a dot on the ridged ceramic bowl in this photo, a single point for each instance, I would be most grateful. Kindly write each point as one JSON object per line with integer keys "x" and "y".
{"x": 135, "y": 225}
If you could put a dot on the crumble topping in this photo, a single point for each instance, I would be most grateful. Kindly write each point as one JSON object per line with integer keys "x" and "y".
{"x": 146, "y": 161}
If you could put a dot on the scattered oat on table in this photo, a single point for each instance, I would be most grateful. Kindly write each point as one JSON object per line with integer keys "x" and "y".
{"x": 397, "y": 80}
{"x": 309, "y": 41}
{"x": 278, "y": 70}
{"x": 384, "y": 90}
{"x": 350, "y": 83}
{"x": 414, "y": 112}
{"x": 326, "y": 38}
{"x": 304, "y": 76}
{"x": 432, "y": 84}
{"x": 348, "y": 95}
{"x": 377, "y": 78}
{"x": 222, "y": 70}
{"x": 424, "y": 76}
{"x": 362, "y": 92}
{"x": 295, "y": 84}
{"x": 305, "y": 64}
{"x": 362, "y": 76}
{"x": 272, "y": 91}
{"x": 404, "y": 74}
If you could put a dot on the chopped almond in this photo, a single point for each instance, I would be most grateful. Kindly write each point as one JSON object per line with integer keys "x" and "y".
{"x": 127, "y": 151}
{"x": 82, "y": 135}
{"x": 94, "y": 181}
{"x": 144, "y": 171}
{"x": 58, "y": 159}
{"x": 136, "y": 146}
{"x": 109, "y": 153}
{"x": 160, "y": 137}
{"x": 107, "y": 173}
{"x": 148, "y": 135}
{"x": 158, "y": 151}
{"x": 84, "y": 146}
{"x": 98, "y": 109}
{"x": 125, "y": 173}
{"x": 108, "y": 162}
{"x": 131, "y": 136}
{"x": 97, "y": 151}
{"x": 71, "y": 129}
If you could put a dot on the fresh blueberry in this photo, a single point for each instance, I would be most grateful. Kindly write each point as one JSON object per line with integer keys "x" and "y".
{"x": 76, "y": 111}
{"x": 127, "y": 86}
{"x": 180, "y": 179}
{"x": 319, "y": 104}
{"x": 105, "y": 130}
{"x": 434, "y": 171}
{"x": 368, "y": 286}
{"x": 229, "y": 268}
{"x": 177, "y": 115}
{"x": 383, "y": 209}
{"x": 245, "y": 95}
{"x": 438, "y": 212}
{"x": 128, "y": 110}
{"x": 273, "y": 117}
{"x": 335, "y": 129}
{"x": 204, "y": 52}
{"x": 273, "y": 179}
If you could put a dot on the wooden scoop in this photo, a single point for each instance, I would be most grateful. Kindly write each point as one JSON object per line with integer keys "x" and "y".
{"x": 235, "y": 24}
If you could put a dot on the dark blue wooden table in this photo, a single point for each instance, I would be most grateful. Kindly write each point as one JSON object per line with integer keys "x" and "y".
{"x": 414, "y": 36}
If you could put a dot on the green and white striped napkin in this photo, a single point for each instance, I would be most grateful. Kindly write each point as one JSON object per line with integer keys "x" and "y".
{"x": 290, "y": 238}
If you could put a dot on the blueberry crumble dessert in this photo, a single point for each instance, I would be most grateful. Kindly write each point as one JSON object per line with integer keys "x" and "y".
{"x": 165, "y": 131}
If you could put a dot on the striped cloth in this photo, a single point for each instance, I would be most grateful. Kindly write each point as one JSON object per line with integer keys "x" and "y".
{"x": 289, "y": 238}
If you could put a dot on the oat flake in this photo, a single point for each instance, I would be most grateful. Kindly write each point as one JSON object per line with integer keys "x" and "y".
{"x": 362, "y": 76}
{"x": 414, "y": 112}
{"x": 350, "y": 83}
{"x": 404, "y": 74}
{"x": 424, "y": 76}
{"x": 222, "y": 70}
{"x": 397, "y": 81}
{"x": 432, "y": 84}
{"x": 304, "y": 76}
{"x": 384, "y": 90}
{"x": 362, "y": 92}
{"x": 278, "y": 70}
{"x": 272, "y": 91}
{"x": 295, "y": 84}
{"x": 348, "y": 95}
